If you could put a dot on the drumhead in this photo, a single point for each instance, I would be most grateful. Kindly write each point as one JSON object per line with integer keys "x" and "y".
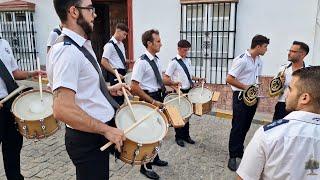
{"x": 185, "y": 106}
{"x": 28, "y": 105}
{"x": 152, "y": 130}
{"x": 195, "y": 95}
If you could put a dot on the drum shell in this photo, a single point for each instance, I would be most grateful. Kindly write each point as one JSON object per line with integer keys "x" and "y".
{"x": 34, "y": 130}
{"x": 201, "y": 109}
{"x": 146, "y": 150}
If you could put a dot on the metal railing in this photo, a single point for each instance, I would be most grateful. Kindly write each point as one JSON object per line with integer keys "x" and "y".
{"x": 211, "y": 30}
{"x": 17, "y": 27}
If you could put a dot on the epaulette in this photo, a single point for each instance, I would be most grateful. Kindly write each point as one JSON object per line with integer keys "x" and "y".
{"x": 274, "y": 124}
{"x": 66, "y": 43}
{"x": 241, "y": 56}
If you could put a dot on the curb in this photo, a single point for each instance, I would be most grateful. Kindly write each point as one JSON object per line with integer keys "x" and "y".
{"x": 228, "y": 116}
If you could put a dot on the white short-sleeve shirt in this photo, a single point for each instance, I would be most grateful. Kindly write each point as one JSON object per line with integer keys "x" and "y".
{"x": 246, "y": 70}
{"x": 68, "y": 67}
{"x": 288, "y": 76}
{"x": 177, "y": 74}
{"x": 110, "y": 53}
{"x": 8, "y": 60}
{"x": 281, "y": 150}
{"x": 53, "y": 36}
{"x": 143, "y": 73}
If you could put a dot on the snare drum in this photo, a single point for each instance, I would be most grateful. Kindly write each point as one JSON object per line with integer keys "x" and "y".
{"x": 184, "y": 107}
{"x": 33, "y": 116}
{"x": 143, "y": 142}
{"x": 201, "y": 100}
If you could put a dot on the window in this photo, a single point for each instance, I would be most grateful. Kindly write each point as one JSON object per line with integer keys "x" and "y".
{"x": 210, "y": 28}
{"x": 17, "y": 27}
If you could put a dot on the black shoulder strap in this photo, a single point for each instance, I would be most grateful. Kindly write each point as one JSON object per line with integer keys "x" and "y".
{"x": 119, "y": 52}
{"x": 155, "y": 70}
{"x": 275, "y": 124}
{"x": 56, "y": 30}
{"x": 185, "y": 69}
{"x": 67, "y": 41}
{"x": 7, "y": 78}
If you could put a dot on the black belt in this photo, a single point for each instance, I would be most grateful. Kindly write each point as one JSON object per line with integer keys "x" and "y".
{"x": 153, "y": 93}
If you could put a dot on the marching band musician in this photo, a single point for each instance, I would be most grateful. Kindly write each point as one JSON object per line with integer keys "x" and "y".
{"x": 10, "y": 138}
{"x": 178, "y": 71}
{"x": 81, "y": 98}
{"x": 296, "y": 55}
{"x": 147, "y": 83}
{"x": 114, "y": 57}
{"x": 244, "y": 72}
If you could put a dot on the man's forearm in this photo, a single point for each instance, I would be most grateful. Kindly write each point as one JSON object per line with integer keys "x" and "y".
{"x": 67, "y": 111}
{"x": 105, "y": 63}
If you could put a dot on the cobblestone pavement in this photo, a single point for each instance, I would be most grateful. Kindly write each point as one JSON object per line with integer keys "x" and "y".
{"x": 207, "y": 159}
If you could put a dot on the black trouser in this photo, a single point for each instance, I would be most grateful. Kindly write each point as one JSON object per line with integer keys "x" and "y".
{"x": 280, "y": 111}
{"x": 241, "y": 121}
{"x": 11, "y": 141}
{"x": 158, "y": 96}
{"x": 183, "y": 132}
{"x": 112, "y": 79}
{"x": 84, "y": 151}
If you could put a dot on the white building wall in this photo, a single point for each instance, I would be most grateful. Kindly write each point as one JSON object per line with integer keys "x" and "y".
{"x": 163, "y": 15}
{"x": 283, "y": 22}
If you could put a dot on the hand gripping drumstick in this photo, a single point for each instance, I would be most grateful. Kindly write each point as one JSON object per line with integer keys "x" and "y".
{"x": 125, "y": 95}
{"x": 13, "y": 93}
{"x": 137, "y": 123}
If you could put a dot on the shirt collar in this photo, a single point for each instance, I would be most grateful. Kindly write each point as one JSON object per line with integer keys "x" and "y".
{"x": 74, "y": 36}
{"x": 150, "y": 56}
{"x": 115, "y": 40}
{"x": 304, "y": 116}
{"x": 179, "y": 57}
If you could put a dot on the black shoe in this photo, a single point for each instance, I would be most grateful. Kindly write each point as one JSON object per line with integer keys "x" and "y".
{"x": 180, "y": 142}
{"x": 233, "y": 164}
{"x": 189, "y": 140}
{"x": 149, "y": 173}
{"x": 160, "y": 163}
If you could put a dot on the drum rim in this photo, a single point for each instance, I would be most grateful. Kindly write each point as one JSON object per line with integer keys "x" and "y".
{"x": 183, "y": 97}
{"x": 23, "y": 94}
{"x": 152, "y": 106}
{"x": 192, "y": 89}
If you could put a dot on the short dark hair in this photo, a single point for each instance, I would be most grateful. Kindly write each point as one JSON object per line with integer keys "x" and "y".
{"x": 122, "y": 27}
{"x": 259, "y": 40}
{"x": 309, "y": 82}
{"x": 184, "y": 44}
{"x": 62, "y": 6}
{"x": 303, "y": 46}
{"x": 147, "y": 36}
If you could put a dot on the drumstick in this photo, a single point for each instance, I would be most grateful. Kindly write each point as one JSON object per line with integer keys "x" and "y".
{"x": 174, "y": 99}
{"x": 40, "y": 83}
{"x": 125, "y": 95}
{"x": 179, "y": 93}
{"x": 123, "y": 77}
{"x": 13, "y": 93}
{"x": 130, "y": 128}
{"x": 202, "y": 84}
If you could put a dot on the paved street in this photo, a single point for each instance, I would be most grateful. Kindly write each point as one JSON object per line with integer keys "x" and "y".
{"x": 207, "y": 159}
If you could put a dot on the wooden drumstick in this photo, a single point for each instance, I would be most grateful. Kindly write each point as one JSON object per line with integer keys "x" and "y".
{"x": 174, "y": 99}
{"x": 13, "y": 93}
{"x": 40, "y": 83}
{"x": 130, "y": 128}
{"x": 179, "y": 93}
{"x": 125, "y": 95}
{"x": 202, "y": 84}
